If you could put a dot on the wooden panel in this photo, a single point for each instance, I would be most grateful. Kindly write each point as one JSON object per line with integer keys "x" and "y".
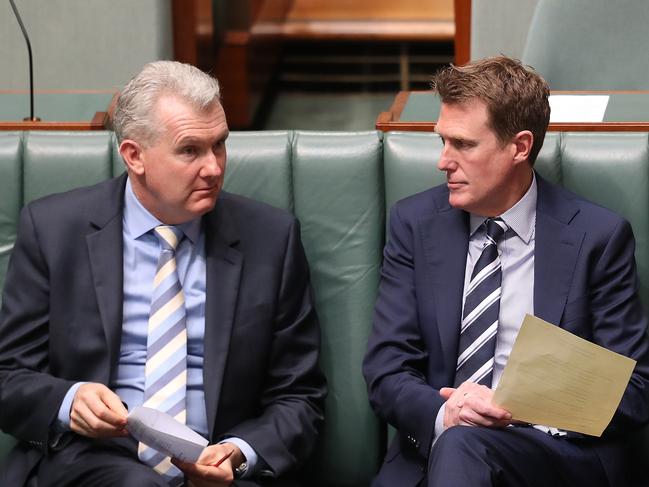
{"x": 384, "y": 20}
{"x": 462, "y": 31}
{"x": 391, "y": 120}
{"x": 246, "y": 61}
{"x": 371, "y": 10}
{"x": 98, "y": 122}
{"x": 437, "y": 31}
{"x": 184, "y": 30}
{"x": 193, "y": 32}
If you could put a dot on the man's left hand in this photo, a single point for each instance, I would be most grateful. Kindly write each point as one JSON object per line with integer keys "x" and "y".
{"x": 204, "y": 473}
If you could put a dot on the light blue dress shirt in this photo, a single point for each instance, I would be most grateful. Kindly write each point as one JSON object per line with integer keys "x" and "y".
{"x": 516, "y": 251}
{"x": 141, "y": 251}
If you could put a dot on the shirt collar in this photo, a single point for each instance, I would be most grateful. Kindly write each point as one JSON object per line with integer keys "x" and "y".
{"x": 520, "y": 218}
{"x": 138, "y": 220}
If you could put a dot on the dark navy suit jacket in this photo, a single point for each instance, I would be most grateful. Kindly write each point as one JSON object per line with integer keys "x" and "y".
{"x": 61, "y": 322}
{"x": 584, "y": 281}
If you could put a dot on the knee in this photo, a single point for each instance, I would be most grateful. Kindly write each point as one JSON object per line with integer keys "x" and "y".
{"x": 141, "y": 477}
{"x": 461, "y": 445}
{"x": 459, "y": 440}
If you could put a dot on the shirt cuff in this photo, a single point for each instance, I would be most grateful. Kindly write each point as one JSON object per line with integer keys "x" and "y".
{"x": 251, "y": 456}
{"x": 62, "y": 423}
{"x": 439, "y": 423}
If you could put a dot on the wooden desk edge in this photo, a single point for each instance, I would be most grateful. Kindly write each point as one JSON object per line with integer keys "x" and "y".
{"x": 98, "y": 122}
{"x": 394, "y": 113}
{"x": 389, "y": 126}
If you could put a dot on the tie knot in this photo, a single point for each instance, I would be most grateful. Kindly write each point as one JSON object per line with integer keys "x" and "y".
{"x": 169, "y": 236}
{"x": 496, "y": 228}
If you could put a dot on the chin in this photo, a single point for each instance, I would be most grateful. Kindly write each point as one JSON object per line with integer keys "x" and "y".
{"x": 204, "y": 206}
{"x": 456, "y": 201}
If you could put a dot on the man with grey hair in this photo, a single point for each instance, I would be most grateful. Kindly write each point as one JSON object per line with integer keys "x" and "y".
{"x": 159, "y": 289}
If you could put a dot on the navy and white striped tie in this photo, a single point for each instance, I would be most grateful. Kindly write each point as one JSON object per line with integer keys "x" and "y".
{"x": 480, "y": 317}
{"x": 165, "y": 377}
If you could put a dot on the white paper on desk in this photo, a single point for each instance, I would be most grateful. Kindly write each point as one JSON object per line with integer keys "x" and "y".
{"x": 163, "y": 433}
{"x": 577, "y": 108}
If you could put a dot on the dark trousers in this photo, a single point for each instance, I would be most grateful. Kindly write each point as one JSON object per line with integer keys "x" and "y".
{"x": 512, "y": 457}
{"x": 110, "y": 463}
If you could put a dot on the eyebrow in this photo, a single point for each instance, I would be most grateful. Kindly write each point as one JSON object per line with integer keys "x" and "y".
{"x": 190, "y": 139}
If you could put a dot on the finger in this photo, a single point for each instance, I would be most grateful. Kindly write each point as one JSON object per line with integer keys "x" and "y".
{"x": 114, "y": 403}
{"x": 78, "y": 425}
{"x": 471, "y": 418}
{"x": 222, "y": 473}
{"x": 485, "y": 408}
{"x": 91, "y": 425}
{"x": 86, "y": 424}
{"x": 102, "y": 406}
{"x": 451, "y": 414}
{"x": 446, "y": 392}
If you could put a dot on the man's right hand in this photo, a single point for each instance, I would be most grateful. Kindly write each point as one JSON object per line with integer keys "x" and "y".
{"x": 470, "y": 405}
{"x": 97, "y": 412}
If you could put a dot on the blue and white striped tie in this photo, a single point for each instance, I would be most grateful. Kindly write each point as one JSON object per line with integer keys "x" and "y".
{"x": 481, "y": 307}
{"x": 165, "y": 381}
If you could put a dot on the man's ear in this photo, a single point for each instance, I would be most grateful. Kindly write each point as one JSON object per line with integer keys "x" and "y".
{"x": 132, "y": 154}
{"x": 523, "y": 141}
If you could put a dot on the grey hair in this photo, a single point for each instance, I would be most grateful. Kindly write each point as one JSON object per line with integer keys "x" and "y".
{"x": 133, "y": 116}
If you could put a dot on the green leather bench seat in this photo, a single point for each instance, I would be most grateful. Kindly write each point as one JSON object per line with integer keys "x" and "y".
{"x": 340, "y": 186}
{"x": 336, "y": 195}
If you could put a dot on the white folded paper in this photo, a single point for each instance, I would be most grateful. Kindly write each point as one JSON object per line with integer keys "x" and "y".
{"x": 163, "y": 433}
{"x": 578, "y": 108}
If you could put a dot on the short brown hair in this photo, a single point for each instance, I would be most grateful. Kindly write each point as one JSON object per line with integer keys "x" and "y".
{"x": 516, "y": 96}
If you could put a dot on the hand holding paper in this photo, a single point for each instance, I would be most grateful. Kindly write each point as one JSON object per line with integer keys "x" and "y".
{"x": 557, "y": 379}
{"x": 163, "y": 433}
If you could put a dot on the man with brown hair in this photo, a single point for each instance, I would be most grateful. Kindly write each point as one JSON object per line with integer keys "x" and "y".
{"x": 464, "y": 263}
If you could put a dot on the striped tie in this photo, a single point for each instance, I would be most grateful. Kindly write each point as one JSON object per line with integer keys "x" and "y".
{"x": 165, "y": 377}
{"x": 480, "y": 317}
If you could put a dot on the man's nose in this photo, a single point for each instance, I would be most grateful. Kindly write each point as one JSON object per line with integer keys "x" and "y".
{"x": 445, "y": 159}
{"x": 212, "y": 166}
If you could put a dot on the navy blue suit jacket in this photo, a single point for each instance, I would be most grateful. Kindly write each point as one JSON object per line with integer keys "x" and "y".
{"x": 61, "y": 322}
{"x": 584, "y": 281}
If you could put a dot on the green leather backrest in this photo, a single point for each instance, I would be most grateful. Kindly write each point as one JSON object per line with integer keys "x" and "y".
{"x": 340, "y": 186}
{"x": 613, "y": 170}
{"x": 332, "y": 182}
{"x": 55, "y": 162}
{"x": 11, "y": 195}
{"x": 339, "y": 201}
{"x": 259, "y": 166}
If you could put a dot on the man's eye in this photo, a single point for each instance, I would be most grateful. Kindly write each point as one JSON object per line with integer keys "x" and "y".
{"x": 462, "y": 144}
{"x": 188, "y": 150}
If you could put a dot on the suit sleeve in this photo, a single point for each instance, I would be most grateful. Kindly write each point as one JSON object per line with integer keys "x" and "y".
{"x": 620, "y": 324}
{"x": 396, "y": 360}
{"x": 292, "y": 400}
{"x": 29, "y": 395}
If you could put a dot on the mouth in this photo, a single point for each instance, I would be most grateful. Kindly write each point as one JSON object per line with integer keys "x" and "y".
{"x": 455, "y": 184}
{"x": 211, "y": 189}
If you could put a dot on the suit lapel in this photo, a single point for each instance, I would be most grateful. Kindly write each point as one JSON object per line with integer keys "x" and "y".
{"x": 556, "y": 250}
{"x": 445, "y": 237}
{"x": 224, "y": 264}
{"x": 105, "y": 250}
